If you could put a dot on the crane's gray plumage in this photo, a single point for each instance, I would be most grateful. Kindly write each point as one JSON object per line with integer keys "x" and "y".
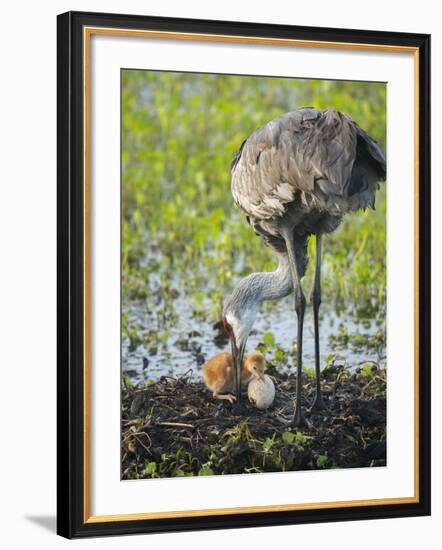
{"x": 296, "y": 176}
{"x": 308, "y": 160}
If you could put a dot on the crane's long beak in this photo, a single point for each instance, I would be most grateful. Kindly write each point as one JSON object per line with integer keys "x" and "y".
{"x": 238, "y": 356}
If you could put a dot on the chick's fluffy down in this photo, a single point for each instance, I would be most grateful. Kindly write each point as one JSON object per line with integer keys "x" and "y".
{"x": 261, "y": 392}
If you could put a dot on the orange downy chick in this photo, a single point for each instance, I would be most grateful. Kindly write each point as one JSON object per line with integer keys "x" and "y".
{"x": 219, "y": 375}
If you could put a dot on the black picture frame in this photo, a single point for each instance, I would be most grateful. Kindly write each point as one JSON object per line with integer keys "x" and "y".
{"x": 71, "y": 396}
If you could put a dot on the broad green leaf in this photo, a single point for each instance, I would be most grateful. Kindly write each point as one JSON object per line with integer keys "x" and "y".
{"x": 151, "y": 468}
{"x": 206, "y": 471}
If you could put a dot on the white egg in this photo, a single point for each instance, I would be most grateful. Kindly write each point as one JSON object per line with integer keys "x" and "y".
{"x": 261, "y": 392}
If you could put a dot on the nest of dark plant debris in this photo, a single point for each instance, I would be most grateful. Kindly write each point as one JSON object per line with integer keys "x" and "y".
{"x": 175, "y": 428}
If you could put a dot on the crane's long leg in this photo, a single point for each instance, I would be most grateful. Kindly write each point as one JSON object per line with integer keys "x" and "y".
{"x": 318, "y": 404}
{"x": 295, "y": 269}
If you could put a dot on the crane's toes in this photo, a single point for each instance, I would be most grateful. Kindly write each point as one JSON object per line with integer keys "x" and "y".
{"x": 299, "y": 420}
{"x": 319, "y": 406}
{"x": 230, "y": 397}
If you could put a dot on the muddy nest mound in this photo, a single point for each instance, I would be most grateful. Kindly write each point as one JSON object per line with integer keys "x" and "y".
{"x": 175, "y": 428}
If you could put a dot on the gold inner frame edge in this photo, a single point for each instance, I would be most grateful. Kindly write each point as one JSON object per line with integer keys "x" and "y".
{"x": 87, "y": 33}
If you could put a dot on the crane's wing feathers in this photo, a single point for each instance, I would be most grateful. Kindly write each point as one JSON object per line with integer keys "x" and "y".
{"x": 309, "y": 153}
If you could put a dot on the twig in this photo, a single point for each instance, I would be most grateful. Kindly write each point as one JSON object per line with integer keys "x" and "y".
{"x": 135, "y": 434}
{"x": 175, "y": 424}
{"x": 141, "y": 443}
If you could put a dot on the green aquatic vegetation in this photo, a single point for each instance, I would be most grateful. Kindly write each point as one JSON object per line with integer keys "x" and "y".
{"x": 367, "y": 370}
{"x": 281, "y": 357}
{"x": 274, "y": 353}
{"x": 269, "y": 340}
{"x": 309, "y": 371}
{"x": 357, "y": 340}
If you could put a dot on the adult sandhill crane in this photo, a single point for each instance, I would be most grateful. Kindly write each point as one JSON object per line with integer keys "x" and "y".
{"x": 294, "y": 177}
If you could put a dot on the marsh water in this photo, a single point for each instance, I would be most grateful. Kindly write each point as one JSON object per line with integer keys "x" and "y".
{"x": 192, "y": 340}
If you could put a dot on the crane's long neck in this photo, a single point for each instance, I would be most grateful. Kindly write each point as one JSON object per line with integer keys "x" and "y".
{"x": 242, "y": 306}
{"x": 269, "y": 285}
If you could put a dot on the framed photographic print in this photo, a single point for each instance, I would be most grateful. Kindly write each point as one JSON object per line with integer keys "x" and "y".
{"x": 243, "y": 274}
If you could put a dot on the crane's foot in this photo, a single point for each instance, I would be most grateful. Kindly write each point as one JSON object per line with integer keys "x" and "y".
{"x": 319, "y": 406}
{"x": 299, "y": 418}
